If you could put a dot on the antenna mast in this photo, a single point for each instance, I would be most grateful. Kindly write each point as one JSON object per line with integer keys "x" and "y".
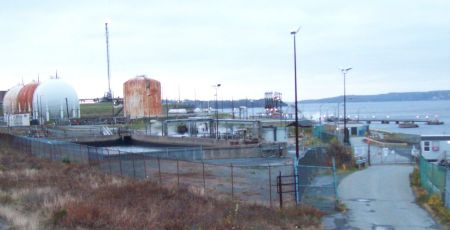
{"x": 109, "y": 72}
{"x": 107, "y": 59}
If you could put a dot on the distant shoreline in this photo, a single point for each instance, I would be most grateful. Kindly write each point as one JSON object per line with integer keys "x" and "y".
{"x": 407, "y": 96}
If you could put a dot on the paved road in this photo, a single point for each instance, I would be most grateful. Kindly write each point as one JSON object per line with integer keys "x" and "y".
{"x": 380, "y": 197}
{"x": 3, "y": 225}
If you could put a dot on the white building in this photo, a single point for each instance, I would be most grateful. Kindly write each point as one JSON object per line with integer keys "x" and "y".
{"x": 435, "y": 147}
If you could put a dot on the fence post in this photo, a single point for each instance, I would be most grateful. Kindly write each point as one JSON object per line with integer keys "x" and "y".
{"x": 145, "y": 167}
{"x": 159, "y": 171}
{"x": 97, "y": 156}
{"x": 280, "y": 190}
{"x": 335, "y": 182}
{"x": 134, "y": 168}
{"x": 270, "y": 185}
{"x": 50, "y": 147}
{"x": 178, "y": 174}
{"x": 203, "y": 172}
{"x": 202, "y": 152}
{"x": 109, "y": 162}
{"x": 89, "y": 155}
{"x": 81, "y": 154}
{"x": 432, "y": 177}
{"x": 232, "y": 181}
{"x": 120, "y": 163}
{"x": 30, "y": 147}
{"x": 296, "y": 181}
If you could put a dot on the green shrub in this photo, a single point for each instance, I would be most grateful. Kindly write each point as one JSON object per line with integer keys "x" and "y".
{"x": 342, "y": 154}
{"x": 58, "y": 216}
{"x": 66, "y": 160}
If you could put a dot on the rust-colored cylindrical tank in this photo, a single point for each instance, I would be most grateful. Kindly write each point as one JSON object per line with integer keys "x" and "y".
{"x": 25, "y": 97}
{"x": 142, "y": 97}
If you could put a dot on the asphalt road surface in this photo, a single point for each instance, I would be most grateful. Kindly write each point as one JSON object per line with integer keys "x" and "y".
{"x": 2, "y": 225}
{"x": 380, "y": 197}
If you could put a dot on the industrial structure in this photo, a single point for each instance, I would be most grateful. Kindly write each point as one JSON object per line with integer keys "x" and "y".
{"x": 142, "y": 97}
{"x": 273, "y": 103}
{"x": 53, "y": 99}
{"x": 25, "y": 97}
{"x": 10, "y": 104}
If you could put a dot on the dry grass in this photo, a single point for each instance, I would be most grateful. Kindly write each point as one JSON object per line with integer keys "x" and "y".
{"x": 38, "y": 194}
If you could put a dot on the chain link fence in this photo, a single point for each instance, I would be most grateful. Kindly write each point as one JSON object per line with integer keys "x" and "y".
{"x": 256, "y": 183}
{"x": 249, "y": 183}
{"x": 433, "y": 177}
{"x": 314, "y": 183}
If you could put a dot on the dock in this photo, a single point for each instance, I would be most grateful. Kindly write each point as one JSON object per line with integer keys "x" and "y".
{"x": 401, "y": 120}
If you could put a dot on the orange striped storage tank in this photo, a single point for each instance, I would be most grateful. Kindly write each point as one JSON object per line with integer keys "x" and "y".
{"x": 25, "y": 97}
{"x": 142, "y": 97}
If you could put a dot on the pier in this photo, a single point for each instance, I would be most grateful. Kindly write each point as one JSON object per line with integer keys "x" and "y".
{"x": 401, "y": 120}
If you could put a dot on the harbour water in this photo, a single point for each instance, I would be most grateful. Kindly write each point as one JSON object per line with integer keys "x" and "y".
{"x": 432, "y": 110}
{"x": 436, "y": 109}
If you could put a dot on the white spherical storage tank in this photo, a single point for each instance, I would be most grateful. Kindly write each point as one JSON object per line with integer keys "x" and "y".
{"x": 54, "y": 99}
{"x": 10, "y": 103}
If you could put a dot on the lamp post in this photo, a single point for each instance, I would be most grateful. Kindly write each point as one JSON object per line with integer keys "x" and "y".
{"x": 293, "y": 33}
{"x": 320, "y": 114}
{"x": 346, "y": 141}
{"x": 217, "y": 112}
{"x": 297, "y": 155}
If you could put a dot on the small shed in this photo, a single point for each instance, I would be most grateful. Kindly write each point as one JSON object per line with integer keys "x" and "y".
{"x": 435, "y": 147}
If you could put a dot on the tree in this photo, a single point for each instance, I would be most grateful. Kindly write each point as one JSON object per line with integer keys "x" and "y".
{"x": 342, "y": 154}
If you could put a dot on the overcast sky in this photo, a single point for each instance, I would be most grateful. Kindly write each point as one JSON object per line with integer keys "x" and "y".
{"x": 393, "y": 46}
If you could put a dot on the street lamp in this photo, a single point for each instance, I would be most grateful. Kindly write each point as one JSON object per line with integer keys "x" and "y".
{"x": 346, "y": 141}
{"x": 217, "y": 112}
{"x": 293, "y": 33}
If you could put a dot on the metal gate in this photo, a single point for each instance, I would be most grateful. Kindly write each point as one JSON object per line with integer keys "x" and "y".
{"x": 313, "y": 186}
{"x": 381, "y": 155}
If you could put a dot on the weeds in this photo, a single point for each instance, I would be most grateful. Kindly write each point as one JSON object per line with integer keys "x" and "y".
{"x": 341, "y": 207}
{"x": 66, "y": 161}
{"x": 415, "y": 177}
{"x": 434, "y": 201}
{"x": 6, "y": 199}
{"x": 421, "y": 195}
{"x": 71, "y": 196}
{"x": 58, "y": 216}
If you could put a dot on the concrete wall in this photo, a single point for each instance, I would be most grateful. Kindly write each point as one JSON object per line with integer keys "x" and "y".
{"x": 216, "y": 149}
{"x": 181, "y": 141}
{"x": 91, "y": 139}
{"x": 265, "y": 150}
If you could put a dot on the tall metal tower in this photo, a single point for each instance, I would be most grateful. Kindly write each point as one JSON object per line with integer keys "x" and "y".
{"x": 109, "y": 96}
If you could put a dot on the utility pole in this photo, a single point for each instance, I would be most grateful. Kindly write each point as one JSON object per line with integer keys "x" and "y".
{"x": 346, "y": 133}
